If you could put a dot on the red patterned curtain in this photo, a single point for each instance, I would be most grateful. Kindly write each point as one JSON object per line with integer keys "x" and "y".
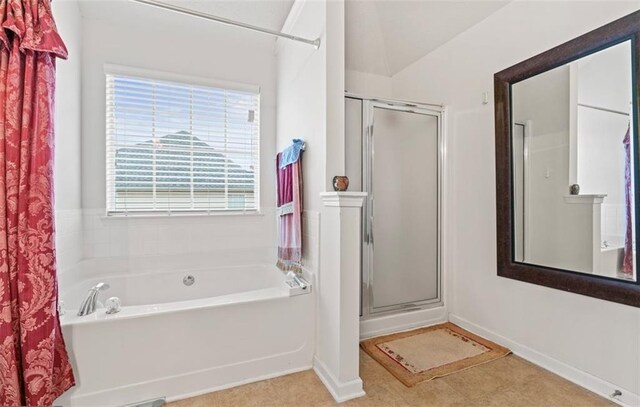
{"x": 34, "y": 366}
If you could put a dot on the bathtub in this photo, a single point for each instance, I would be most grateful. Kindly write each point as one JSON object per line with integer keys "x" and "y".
{"x": 611, "y": 255}
{"x": 234, "y": 325}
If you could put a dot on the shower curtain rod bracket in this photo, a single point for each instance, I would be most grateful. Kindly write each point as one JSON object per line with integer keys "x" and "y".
{"x": 211, "y": 17}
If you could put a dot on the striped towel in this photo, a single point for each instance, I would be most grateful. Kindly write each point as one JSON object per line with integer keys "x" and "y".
{"x": 290, "y": 215}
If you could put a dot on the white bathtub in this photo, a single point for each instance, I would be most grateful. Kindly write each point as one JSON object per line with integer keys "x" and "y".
{"x": 232, "y": 326}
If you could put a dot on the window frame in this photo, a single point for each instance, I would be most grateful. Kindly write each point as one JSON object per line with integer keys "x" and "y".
{"x": 155, "y": 75}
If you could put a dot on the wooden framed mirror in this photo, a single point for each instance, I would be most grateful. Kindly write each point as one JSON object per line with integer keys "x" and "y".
{"x": 567, "y": 165}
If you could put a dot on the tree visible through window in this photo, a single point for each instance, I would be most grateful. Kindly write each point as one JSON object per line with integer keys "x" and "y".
{"x": 175, "y": 147}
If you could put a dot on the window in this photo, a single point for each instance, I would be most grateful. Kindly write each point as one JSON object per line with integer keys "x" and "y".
{"x": 180, "y": 147}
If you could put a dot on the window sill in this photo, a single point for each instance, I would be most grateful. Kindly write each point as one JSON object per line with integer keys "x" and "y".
{"x": 181, "y": 215}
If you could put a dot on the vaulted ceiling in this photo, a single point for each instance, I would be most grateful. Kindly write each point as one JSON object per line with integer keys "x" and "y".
{"x": 385, "y": 36}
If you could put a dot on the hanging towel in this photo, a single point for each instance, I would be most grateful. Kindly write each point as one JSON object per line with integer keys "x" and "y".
{"x": 290, "y": 213}
{"x": 292, "y": 153}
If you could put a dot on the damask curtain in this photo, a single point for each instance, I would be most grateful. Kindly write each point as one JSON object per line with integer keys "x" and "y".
{"x": 34, "y": 366}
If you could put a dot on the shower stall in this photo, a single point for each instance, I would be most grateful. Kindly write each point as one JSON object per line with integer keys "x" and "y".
{"x": 395, "y": 154}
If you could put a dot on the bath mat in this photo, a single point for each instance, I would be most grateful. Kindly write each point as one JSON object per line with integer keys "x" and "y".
{"x": 435, "y": 351}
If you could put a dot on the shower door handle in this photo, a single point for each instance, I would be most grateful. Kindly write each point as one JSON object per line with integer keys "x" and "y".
{"x": 367, "y": 229}
{"x": 370, "y": 222}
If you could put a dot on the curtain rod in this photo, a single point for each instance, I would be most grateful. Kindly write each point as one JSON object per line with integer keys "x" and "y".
{"x": 603, "y": 109}
{"x": 206, "y": 16}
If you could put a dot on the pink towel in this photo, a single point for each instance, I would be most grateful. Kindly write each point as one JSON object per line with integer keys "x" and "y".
{"x": 290, "y": 215}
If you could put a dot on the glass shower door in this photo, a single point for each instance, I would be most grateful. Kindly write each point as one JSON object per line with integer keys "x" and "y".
{"x": 402, "y": 215}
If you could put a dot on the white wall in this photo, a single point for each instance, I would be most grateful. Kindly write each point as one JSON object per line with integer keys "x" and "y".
{"x": 302, "y": 96}
{"x": 557, "y": 233}
{"x": 67, "y": 168}
{"x": 311, "y": 93}
{"x": 124, "y": 33}
{"x": 604, "y": 80}
{"x": 368, "y": 84}
{"x": 301, "y": 112}
{"x": 596, "y": 337}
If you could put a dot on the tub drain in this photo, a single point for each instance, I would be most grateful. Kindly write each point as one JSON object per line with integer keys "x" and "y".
{"x": 189, "y": 280}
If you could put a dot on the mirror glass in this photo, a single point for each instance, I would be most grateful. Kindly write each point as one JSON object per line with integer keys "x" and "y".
{"x": 573, "y": 171}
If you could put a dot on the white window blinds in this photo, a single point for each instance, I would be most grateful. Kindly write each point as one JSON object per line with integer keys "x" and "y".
{"x": 178, "y": 147}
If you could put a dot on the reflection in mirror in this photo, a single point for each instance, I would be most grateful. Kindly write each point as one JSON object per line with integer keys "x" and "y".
{"x": 571, "y": 130}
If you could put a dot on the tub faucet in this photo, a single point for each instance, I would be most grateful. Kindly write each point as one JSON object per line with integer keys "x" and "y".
{"x": 88, "y": 306}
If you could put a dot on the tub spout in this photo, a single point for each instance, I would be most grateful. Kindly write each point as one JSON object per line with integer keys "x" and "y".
{"x": 88, "y": 306}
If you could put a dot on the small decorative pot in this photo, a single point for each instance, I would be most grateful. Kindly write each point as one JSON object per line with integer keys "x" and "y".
{"x": 340, "y": 183}
{"x": 574, "y": 189}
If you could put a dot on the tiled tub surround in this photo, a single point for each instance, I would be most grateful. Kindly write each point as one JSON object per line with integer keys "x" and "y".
{"x": 158, "y": 289}
{"x": 151, "y": 235}
{"x": 105, "y": 267}
{"x": 613, "y": 220}
{"x": 119, "y": 244}
{"x": 226, "y": 329}
{"x": 68, "y": 238}
{"x": 311, "y": 240}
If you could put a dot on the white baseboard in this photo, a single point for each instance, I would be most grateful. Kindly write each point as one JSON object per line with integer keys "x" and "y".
{"x": 240, "y": 383}
{"x": 579, "y": 377}
{"x": 195, "y": 383}
{"x": 378, "y": 326}
{"x": 340, "y": 391}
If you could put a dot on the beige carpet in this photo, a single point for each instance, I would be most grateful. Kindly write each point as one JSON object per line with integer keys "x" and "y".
{"x": 427, "y": 353}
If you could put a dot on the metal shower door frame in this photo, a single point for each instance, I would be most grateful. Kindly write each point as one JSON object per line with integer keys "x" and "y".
{"x": 368, "y": 236}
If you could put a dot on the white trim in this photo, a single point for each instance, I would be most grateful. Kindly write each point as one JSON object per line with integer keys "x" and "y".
{"x": 341, "y": 392}
{"x": 113, "y": 69}
{"x": 179, "y": 214}
{"x": 585, "y": 199}
{"x": 343, "y": 199}
{"x": 579, "y": 377}
{"x": 398, "y": 322}
{"x": 192, "y": 384}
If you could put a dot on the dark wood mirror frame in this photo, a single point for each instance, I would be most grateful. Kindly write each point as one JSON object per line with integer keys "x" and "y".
{"x": 610, "y": 289}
